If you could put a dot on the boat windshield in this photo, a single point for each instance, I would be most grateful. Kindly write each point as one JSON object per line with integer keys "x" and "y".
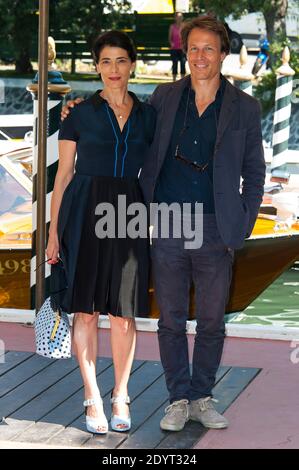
{"x": 12, "y": 193}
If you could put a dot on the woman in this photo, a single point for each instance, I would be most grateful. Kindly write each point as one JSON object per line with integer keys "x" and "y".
{"x": 110, "y": 132}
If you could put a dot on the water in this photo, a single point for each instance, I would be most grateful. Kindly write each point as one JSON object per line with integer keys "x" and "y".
{"x": 19, "y": 101}
{"x": 278, "y": 305}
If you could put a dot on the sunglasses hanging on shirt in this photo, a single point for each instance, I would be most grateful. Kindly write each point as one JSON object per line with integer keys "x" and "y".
{"x": 178, "y": 155}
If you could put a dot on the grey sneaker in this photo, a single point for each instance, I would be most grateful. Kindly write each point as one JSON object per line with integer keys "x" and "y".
{"x": 177, "y": 415}
{"x": 203, "y": 410}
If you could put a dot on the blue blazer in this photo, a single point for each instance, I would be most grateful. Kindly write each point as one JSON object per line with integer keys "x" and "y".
{"x": 238, "y": 153}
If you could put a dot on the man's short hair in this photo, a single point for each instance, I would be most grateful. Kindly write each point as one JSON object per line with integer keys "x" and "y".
{"x": 207, "y": 23}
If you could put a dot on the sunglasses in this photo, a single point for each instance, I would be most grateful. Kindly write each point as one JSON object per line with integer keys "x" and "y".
{"x": 178, "y": 156}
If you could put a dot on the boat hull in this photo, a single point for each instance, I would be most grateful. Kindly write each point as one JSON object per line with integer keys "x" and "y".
{"x": 15, "y": 278}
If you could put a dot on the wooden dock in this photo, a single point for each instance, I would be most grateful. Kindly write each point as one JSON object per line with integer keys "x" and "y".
{"x": 41, "y": 403}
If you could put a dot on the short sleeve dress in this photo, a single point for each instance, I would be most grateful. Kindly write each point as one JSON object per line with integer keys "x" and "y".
{"x": 107, "y": 274}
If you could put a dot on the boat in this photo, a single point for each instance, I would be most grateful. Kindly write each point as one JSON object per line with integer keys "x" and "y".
{"x": 15, "y": 126}
{"x": 15, "y": 223}
{"x": 264, "y": 257}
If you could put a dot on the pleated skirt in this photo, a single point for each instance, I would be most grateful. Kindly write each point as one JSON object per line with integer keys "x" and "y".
{"x": 107, "y": 274}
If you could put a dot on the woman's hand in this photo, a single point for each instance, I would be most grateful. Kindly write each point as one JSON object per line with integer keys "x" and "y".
{"x": 66, "y": 108}
{"x": 52, "y": 250}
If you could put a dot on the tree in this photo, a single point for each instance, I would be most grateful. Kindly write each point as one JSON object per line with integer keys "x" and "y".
{"x": 274, "y": 12}
{"x": 87, "y": 18}
{"x": 19, "y": 23}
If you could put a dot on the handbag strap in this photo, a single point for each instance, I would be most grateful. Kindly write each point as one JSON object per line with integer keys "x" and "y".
{"x": 44, "y": 262}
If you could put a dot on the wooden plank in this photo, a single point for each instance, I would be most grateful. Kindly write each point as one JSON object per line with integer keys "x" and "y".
{"x": 22, "y": 372}
{"x": 141, "y": 378}
{"x": 54, "y": 397}
{"x": 230, "y": 387}
{"x": 149, "y": 435}
{"x": 69, "y": 437}
{"x": 10, "y": 427}
{"x": 12, "y": 359}
{"x": 184, "y": 439}
{"x": 146, "y": 405}
{"x": 33, "y": 387}
{"x": 226, "y": 391}
{"x": 221, "y": 372}
{"x": 53, "y": 420}
{"x": 146, "y": 385}
{"x": 2, "y": 352}
{"x": 75, "y": 433}
{"x": 106, "y": 385}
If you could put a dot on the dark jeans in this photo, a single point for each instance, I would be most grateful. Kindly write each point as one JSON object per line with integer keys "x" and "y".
{"x": 177, "y": 55}
{"x": 210, "y": 269}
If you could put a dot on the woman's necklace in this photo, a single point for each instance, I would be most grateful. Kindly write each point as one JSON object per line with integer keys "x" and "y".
{"x": 120, "y": 115}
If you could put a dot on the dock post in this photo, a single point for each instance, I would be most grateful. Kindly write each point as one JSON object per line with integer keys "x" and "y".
{"x": 281, "y": 123}
{"x": 57, "y": 88}
{"x": 243, "y": 77}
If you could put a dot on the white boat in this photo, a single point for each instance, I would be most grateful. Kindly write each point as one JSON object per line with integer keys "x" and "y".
{"x": 15, "y": 126}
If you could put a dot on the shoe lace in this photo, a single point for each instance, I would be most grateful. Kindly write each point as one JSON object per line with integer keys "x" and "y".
{"x": 206, "y": 403}
{"x": 175, "y": 406}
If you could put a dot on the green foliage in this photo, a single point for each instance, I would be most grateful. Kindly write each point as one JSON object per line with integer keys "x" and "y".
{"x": 224, "y": 8}
{"x": 276, "y": 50}
{"x": 18, "y": 27}
{"x": 85, "y": 18}
{"x": 88, "y": 18}
{"x": 265, "y": 92}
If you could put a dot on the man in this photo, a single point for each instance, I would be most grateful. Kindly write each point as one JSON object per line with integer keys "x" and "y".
{"x": 208, "y": 136}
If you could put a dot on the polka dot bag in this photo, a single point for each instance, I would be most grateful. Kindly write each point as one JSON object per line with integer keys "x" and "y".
{"x": 52, "y": 332}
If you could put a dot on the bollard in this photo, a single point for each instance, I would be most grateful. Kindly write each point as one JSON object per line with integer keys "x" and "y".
{"x": 57, "y": 88}
{"x": 243, "y": 78}
{"x": 281, "y": 123}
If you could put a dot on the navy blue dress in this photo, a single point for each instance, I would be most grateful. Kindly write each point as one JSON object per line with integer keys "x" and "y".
{"x": 107, "y": 275}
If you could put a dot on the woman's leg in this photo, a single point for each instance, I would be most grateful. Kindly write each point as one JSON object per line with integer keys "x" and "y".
{"x": 123, "y": 341}
{"x": 85, "y": 341}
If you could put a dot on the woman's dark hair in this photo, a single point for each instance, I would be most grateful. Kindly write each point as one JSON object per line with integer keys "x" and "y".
{"x": 113, "y": 39}
{"x": 207, "y": 23}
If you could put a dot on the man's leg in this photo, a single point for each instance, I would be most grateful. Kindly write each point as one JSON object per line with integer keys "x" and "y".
{"x": 212, "y": 270}
{"x": 174, "y": 58}
{"x": 182, "y": 63}
{"x": 172, "y": 278}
